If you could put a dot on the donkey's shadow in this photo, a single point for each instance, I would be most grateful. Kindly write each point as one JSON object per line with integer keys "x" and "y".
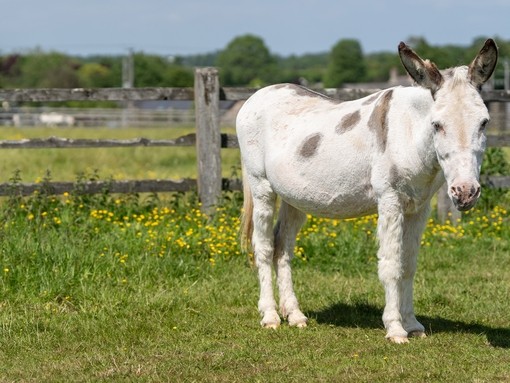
{"x": 364, "y": 315}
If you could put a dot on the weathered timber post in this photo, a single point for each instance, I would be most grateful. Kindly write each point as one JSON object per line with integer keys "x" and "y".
{"x": 207, "y": 116}
{"x": 445, "y": 208}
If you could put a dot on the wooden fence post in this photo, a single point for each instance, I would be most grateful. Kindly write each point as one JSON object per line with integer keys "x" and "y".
{"x": 445, "y": 208}
{"x": 208, "y": 144}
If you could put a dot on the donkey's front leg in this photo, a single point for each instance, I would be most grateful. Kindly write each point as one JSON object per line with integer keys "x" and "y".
{"x": 414, "y": 224}
{"x": 391, "y": 265}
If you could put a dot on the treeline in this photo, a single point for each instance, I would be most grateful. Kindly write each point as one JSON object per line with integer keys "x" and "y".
{"x": 245, "y": 61}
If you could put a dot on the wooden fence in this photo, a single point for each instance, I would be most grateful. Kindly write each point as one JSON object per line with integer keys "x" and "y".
{"x": 208, "y": 140}
{"x": 99, "y": 117}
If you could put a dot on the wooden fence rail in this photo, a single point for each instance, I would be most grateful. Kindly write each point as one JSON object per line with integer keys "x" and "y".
{"x": 207, "y": 139}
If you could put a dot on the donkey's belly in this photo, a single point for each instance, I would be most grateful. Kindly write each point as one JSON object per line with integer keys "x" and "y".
{"x": 325, "y": 205}
{"x": 316, "y": 193}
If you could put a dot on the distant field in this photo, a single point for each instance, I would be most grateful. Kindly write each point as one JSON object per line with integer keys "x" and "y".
{"x": 119, "y": 163}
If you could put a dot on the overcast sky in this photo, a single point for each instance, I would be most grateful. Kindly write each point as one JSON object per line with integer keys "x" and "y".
{"x": 181, "y": 27}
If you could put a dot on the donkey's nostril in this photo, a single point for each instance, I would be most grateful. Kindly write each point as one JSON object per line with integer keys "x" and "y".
{"x": 456, "y": 191}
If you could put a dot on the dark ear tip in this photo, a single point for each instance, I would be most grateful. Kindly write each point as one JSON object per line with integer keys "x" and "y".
{"x": 401, "y": 46}
{"x": 490, "y": 43}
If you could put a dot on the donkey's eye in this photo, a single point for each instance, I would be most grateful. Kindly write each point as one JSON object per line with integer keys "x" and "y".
{"x": 438, "y": 127}
{"x": 483, "y": 124}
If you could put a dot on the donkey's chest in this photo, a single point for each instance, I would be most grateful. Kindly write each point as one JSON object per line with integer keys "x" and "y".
{"x": 414, "y": 191}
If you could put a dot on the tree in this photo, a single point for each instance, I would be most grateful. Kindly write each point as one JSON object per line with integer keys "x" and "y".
{"x": 346, "y": 64}
{"x": 308, "y": 68}
{"x": 94, "y": 75}
{"x": 179, "y": 76}
{"x": 445, "y": 56}
{"x": 49, "y": 70}
{"x": 152, "y": 70}
{"x": 379, "y": 65}
{"x": 246, "y": 60}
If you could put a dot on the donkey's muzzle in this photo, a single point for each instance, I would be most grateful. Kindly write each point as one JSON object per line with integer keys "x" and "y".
{"x": 464, "y": 194}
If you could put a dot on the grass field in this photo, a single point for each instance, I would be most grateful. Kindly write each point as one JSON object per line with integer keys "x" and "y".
{"x": 119, "y": 163}
{"x": 124, "y": 288}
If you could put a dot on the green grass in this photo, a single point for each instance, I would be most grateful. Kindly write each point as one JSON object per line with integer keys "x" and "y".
{"x": 129, "y": 288}
{"x": 118, "y": 288}
{"x": 119, "y": 163}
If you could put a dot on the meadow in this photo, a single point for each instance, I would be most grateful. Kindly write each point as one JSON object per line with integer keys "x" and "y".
{"x": 117, "y": 163}
{"x": 147, "y": 288}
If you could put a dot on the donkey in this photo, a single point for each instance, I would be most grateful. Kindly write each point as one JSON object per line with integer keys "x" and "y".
{"x": 387, "y": 153}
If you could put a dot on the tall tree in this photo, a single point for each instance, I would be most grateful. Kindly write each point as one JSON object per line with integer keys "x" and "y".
{"x": 94, "y": 75}
{"x": 346, "y": 64}
{"x": 379, "y": 65}
{"x": 152, "y": 70}
{"x": 49, "y": 70}
{"x": 246, "y": 60}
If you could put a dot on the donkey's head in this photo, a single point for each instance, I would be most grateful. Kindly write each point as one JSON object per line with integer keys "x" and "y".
{"x": 458, "y": 118}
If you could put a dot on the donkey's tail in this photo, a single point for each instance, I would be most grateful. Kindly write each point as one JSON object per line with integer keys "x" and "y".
{"x": 246, "y": 230}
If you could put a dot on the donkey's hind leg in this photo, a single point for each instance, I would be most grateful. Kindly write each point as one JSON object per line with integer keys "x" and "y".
{"x": 289, "y": 223}
{"x": 264, "y": 201}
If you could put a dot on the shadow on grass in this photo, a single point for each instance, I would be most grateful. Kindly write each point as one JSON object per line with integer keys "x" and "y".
{"x": 368, "y": 316}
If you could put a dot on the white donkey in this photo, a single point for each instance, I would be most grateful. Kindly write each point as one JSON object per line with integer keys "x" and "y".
{"x": 387, "y": 153}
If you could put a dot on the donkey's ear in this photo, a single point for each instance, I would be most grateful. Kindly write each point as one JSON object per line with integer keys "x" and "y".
{"x": 424, "y": 72}
{"x": 484, "y": 63}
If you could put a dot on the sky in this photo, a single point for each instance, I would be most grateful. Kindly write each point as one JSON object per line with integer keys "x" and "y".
{"x": 185, "y": 27}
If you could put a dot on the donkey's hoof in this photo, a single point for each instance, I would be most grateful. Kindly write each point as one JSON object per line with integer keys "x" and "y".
{"x": 398, "y": 339}
{"x": 271, "y": 320}
{"x": 417, "y": 334}
{"x": 297, "y": 319}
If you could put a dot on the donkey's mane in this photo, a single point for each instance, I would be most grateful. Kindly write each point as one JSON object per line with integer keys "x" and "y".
{"x": 457, "y": 76}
